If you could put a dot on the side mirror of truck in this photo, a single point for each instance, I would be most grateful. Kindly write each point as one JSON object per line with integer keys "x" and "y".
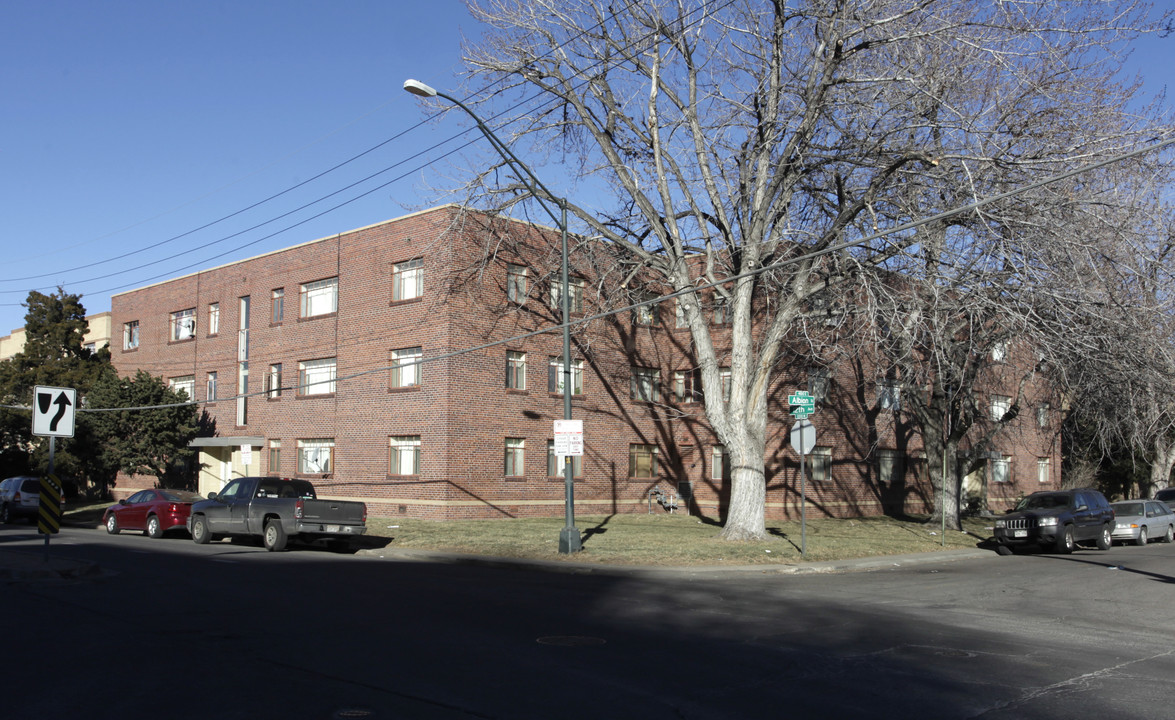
{"x": 212, "y": 495}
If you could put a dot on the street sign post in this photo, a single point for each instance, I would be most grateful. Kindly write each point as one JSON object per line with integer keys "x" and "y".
{"x": 803, "y": 439}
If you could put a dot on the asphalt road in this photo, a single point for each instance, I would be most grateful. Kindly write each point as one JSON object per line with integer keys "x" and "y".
{"x": 170, "y": 630}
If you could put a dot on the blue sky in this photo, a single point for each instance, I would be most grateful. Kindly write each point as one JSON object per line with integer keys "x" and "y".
{"x": 137, "y": 139}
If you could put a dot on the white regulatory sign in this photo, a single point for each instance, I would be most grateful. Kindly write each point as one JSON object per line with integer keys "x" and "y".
{"x": 53, "y": 411}
{"x": 569, "y": 437}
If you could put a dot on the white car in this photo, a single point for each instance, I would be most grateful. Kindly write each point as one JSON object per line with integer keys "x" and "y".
{"x": 1138, "y": 521}
{"x": 19, "y": 497}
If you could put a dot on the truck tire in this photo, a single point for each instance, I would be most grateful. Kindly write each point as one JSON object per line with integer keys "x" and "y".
{"x": 200, "y": 532}
{"x": 1065, "y": 541}
{"x": 274, "y": 536}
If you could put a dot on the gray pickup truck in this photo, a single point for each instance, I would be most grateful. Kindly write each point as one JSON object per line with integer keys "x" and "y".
{"x": 278, "y": 510}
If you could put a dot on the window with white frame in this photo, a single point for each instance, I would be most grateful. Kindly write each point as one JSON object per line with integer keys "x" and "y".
{"x": 889, "y": 396}
{"x": 1042, "y": 415}
{"x": 648, "y": 313}
{"x": 819, "y": 382}
{"x": 211, "y": 387}
{"x": 405, "y": 370}
{"x": 130, "y": 335}
{"x": 820, "y": 464}
{"x": 275, "y": 456}
{"x": 575, "y": 287}
{"x": 556, "y": 377}
{"x": 408, "y": 279}
{"x": 516, "y": 276}
{"x": 1001, "y": 469}
{"x": 320, "y": 297}
{"x": 515, "y": 465}
{"x": 727, "y": 379}
{"x": 891, "y": 466}
{"x": 316, "y": 456}
{"x": 555, "y": 466}
{"x": 273, "y": 381}
{"x": 404, "y": 455}
{"x": 183, "y": 324}
{"x": 1043, "y": 468}
{"x": 185, "y": 384}
{"x": 1000, "y": 404}
{"x": 317, "y": 377}
{"x": 214, "y": 319}
{"x": 642, "y": 461}
{"x": 646, "y": 384}
{"x": 719, "y": 463}
{"x": 687, "y": 385}
{"x": 721, "y": 311}
{"x": 999, "y": 352}
{"x": 515, "y": 370}
{"x": 278, "y": 311}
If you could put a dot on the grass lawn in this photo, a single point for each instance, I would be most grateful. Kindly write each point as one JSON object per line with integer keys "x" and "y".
{"x": 660, "y": 539}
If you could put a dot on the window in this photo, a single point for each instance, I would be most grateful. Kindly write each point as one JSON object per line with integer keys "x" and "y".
{"x": 818, "y": 383}
{"x": 891, "y": 466}
{"x": 1042, "y": 415}
{"x": 515, "y": 457}
{"x": 680, "y": 319}
{"x": 820, "y": 464}
{"x": 575, "y": 288}
{"x": 279, "y": 306}
{"x": 1000, "y": 404}
{"x": 556, "y": 376}
{"x": 726, "y": 377}
{"x": 556, "y": 468}
{"x": 648, "y": 313}
{"x": 1001, "y": 469}
{"x": 999, "y": 352}
{"x": 408, "y": 279}
{"x": 721, "y": 311}
{"x": 515, "y": 370}
{"x": 687, "y": 385}
{"x": 1042, "y": 470}
{"x": 719, "y": 463}
{"x": 211, "y": 396}
{"x": 642, "y": 461}
{"x": 130, "y": 335}
{"x": 516, "y": 283}
{"x": 320, "y": 297}
{"x": 185, "y": 384}
{"x": 183, "y": 324}
{"x": 243, "y": 361}
{"x": 275, "y": 455}
{"x": 214, "y": 319}
{"x": 316, "y": 457}
{"x": 316, "y": 377}
{"x": 273, "y": 381}
{"x": 646, "y": 384}
{"x": 406, "y": 367}
{"x": 889, "y": 396}
{"x": 404, "y": 455}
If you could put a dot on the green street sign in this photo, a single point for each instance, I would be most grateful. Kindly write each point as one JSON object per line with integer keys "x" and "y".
{"x": 802, "y": 404}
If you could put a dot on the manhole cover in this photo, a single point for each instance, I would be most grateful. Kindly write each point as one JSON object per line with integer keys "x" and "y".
{"x": 570, "y": 640}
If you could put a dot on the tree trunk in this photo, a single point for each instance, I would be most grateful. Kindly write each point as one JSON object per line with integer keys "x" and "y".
{"x": 748, "y": 501}
{"x": 946, "y": 504}
{"x": 1161, "y": 465}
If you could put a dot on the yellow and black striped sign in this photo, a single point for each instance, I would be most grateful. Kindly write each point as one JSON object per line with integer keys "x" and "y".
{"x": 49, "y": 516}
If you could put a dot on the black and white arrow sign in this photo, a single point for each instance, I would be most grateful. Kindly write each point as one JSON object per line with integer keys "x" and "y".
{"x": 53, "y": 411}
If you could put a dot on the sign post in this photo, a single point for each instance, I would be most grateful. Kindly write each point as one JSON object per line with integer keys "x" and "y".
{"x": 803, "y": 439}
{"x": 53, "y": 415}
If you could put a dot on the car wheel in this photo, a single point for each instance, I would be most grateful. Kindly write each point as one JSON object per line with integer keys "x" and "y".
{"x": 200, "y": 533}
{"x": 4, "y": 517}
{"x": 1169, "y": 536}
{"x": 1065, "y": 542}
{"x": 112, "y": 524}
{"x": 1003, "y": 550}
{"x": 275, "y": 536}
{"x": 154, "y": 528}
{"x": 1141, "y": 539}
{"x": 1106, "y": 540}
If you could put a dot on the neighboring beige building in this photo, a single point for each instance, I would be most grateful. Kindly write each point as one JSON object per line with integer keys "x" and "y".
{"x": 98, "y": 336}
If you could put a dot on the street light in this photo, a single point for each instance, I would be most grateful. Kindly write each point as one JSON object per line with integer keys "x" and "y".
{"x": 569, "y": 538}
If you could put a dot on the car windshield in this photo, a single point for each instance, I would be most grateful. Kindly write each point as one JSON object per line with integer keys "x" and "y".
{"x": 1129, "y": 508}
{"x": 180, "y": 496}
{"x": 1044, "y": 502}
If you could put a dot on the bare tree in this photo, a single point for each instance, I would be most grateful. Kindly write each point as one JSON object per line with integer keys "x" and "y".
{"x": 721, "y": 139}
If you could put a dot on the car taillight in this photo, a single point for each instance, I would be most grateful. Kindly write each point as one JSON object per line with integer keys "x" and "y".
{"x": 299, "y": 507}
{"x": 173, "y": 508}
{"x": 16, "y": 496}
{"x": 364, "y": 512}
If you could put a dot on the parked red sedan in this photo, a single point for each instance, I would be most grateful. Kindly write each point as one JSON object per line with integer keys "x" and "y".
{"x": 153, "y": 511}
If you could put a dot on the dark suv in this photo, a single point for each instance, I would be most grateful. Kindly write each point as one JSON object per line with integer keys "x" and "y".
{"x": 1166, "y": 495}
{"x": 1057, "y": 519}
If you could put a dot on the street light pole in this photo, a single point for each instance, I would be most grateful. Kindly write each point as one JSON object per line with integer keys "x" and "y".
{"x": 569, "y": 537}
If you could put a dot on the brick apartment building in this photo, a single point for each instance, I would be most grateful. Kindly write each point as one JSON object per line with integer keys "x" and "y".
{"x": 306, "y": 359}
